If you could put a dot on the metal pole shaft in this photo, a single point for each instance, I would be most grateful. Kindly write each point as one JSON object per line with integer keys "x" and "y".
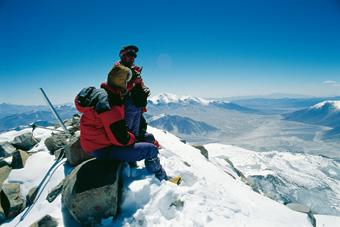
{"x": 53, "y": 110}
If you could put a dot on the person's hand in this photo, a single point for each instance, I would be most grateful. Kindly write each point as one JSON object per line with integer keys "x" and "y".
{"x": 156, "y": 143}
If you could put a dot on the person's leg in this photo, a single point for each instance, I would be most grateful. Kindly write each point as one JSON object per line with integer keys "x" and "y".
{"x": 132, "y": 117}
{"x": 149, "y": 138}
{"x": 137, "y": 152}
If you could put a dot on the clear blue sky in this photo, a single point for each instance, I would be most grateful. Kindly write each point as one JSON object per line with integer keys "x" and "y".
{"x": 202, "y": 48}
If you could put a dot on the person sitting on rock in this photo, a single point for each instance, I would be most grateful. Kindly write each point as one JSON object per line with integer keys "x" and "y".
{"x": 103, "y": 130}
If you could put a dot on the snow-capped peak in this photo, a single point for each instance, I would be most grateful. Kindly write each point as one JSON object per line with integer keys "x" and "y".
{"x": 334, "y": 104}
{"x": 167, "y": 98}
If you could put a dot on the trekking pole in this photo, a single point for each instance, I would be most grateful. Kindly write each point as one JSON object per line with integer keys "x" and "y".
{"x": 34, "y": 126}
{"x": 54, "y": 111}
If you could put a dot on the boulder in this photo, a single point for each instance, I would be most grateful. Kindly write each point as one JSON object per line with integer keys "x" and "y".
{"x": 25, "y": 141}
{"x": 97, "y": 179}
{"x": 203, "y": 151}
{"x": 4, "y": 172}
{"x": 46, "y": 221}
{"x": 19, "y": 159}
{"x": 11, "y": 200}
{"x": 6, "y": 149}
{"x": 74, "y": 153}
{"x": 56, "y": 142}
{"x": 6, "y": 161}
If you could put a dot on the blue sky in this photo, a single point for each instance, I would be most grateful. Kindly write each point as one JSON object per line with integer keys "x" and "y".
{"x": 202, "y": 48}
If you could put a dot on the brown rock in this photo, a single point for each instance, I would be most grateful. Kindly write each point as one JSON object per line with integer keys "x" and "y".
{"x": 11, "y": 200}
{"x": 93, "y": 179}
{"x": 19, "y": 159}
{"x": 74, "y": 153}
{"x": 25, "y": 141}
{"x": 4, "y": 172}
{"x": 46, "y": 221}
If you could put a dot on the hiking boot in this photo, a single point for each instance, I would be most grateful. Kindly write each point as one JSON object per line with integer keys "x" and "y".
{"x": 176, "y": 179}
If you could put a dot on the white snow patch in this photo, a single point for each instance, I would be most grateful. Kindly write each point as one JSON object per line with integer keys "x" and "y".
{"x": 335, "y": 104}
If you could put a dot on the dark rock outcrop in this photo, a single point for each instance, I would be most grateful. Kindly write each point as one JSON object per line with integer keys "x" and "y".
{"x": 19, "y": 159}
{"x": 25, "y": 141}
{"x": 84, "y": 184}
{"x": 46, "y": 221}
{"x": 56, "y": 141}
{"x": 6, "y": 149}
{"x": 12, "y": 202}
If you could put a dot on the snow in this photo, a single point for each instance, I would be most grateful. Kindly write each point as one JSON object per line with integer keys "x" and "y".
{"x": 167, "y": 98}
{"x": 308, "y": 179}
{"x": 335, "y": 104}
{"x": 210, "y": 195}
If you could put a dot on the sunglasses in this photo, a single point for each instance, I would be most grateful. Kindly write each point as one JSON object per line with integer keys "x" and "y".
{"x": 131, "y": 54}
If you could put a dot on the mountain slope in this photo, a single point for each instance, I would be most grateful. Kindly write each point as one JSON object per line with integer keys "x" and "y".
{"x": 325, "y": 113}
{"x": 182, "y": 125}
{"x": 209, "y": 195}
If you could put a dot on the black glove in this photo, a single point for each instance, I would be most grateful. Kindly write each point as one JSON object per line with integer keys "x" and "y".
{"x": 139, "y": 95}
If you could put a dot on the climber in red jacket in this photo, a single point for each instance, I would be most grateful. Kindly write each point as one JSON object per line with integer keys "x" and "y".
{"x": 103, "y": 131}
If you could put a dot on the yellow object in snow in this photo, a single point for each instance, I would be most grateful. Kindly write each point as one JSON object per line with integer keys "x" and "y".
{"x": 176, "y": 180}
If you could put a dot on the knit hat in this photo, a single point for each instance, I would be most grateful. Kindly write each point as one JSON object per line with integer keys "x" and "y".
{"x": 129, "y": 50}
{"x": 117, "y": 70}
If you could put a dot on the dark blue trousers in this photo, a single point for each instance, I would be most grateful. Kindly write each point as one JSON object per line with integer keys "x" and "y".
{"x": 139, "y": 151}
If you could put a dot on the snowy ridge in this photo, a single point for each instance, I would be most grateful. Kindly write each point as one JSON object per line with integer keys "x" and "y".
{"x": 210, "y": 194}
{"x": 334, "y": 104}
{"x": 287, "y": 177}
{"x": 167, "y": 98}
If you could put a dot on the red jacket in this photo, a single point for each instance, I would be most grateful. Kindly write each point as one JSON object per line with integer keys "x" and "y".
{"x": 102, "y": 123}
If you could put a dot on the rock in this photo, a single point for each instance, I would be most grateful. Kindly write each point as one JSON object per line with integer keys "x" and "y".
{"x": 58, "y": 153}
{"x": 299, "y": 207}
{"x": 2, "y": 215}
{"x": 203, "y": 151}
{"x": 53, "y": 194}
{"x": 11, "y": 200}
{"x": 46, "y": 221}
{"x": 6, "y": 161}
{"x": 32, "y": 193}
{"x": 4, "y": 172}
{"x": 74, "y": 121}
{"x": 74, "y": 153}
{"x": 25, "y": 141}
{"x": 83, "y": 184}
{"x": 6, "y": 149}
{"x": 56, "y": 142}
{"x": 19, "y": 159}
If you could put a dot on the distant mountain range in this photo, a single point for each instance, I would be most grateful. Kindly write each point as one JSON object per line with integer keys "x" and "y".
{"x": 173, "y": 101}
{"x": 180, "y": 125}
{"x": 41, "y": 116}
{"x": 7, "y": 109}
{"x": 282, "y": 105}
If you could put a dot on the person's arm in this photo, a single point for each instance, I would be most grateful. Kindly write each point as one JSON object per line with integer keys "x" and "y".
{"x": 115, "y": 127}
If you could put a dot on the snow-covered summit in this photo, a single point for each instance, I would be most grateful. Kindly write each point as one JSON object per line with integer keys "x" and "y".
{"x": 167, "y": 98}
{"x": 328, "y": 103}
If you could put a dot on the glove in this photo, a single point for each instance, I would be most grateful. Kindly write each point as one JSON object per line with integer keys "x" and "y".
{"x": 139, "y": 96}
{"x": 156, "y": 143}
